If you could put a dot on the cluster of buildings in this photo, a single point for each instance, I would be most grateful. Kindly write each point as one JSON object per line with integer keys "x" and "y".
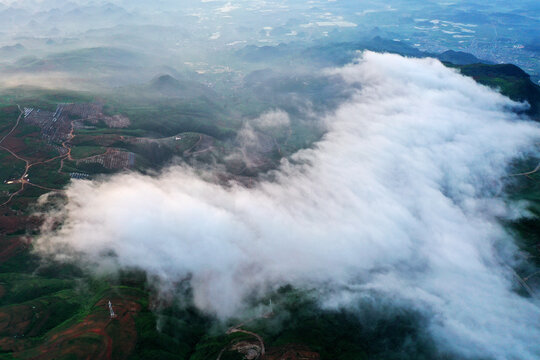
{"x": 55, "y": 126}
{"x": 78, "y": 175}
{"x": 112, "y": 159}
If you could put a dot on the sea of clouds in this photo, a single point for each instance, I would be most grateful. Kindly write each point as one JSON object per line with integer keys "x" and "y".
{"x": 403, "y": 196}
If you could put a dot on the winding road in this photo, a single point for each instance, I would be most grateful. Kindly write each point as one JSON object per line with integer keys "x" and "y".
{"x": 23, "y": 179}
{"x": 528, "y": 172}
{"x": 236, "y": 329}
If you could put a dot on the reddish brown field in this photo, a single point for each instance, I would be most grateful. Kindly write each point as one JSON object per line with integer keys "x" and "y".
{"x": 11, "y": 344}
{"x": 101, "y": 140}
{"x": 94, "y": 337}
{"x": 11, "y": 247}
{"x": 15, "y": 143}
{"x": 16, "y": 319}
{"x": 11, "y": 223}
{"x": 291, "y": 352}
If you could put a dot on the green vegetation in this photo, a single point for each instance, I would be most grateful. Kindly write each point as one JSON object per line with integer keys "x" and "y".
{"x": 86, "y": 59}
{"x": 170, "y": 118}
{"x": 8, "y": 117}
{"x": 23, "y": 287}
{"x": 81, "y": 152}
{"x": 42, "y": 300}
{"x": 154, "y": 153}
{"x": 510, "y": 79}
{"x": 180, "y": 334}
{"x": 9, "y": 188}
{"x": 47, "y": 175}
{"x": 527, "y": 229}
{"x": 384, "y": 333}
{"x": 10, "y": 167}
{"x": 107, "y": 131}
{"x": 41, "y": 98}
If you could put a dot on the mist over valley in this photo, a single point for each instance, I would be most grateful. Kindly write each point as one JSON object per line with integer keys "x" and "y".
{"x": 269, "y": 180}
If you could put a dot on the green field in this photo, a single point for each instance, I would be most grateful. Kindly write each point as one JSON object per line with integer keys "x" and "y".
{"x": 81, "y": 152}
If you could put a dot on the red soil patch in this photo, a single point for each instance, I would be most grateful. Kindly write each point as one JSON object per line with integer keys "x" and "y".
{"x": 96, "y": 337}
{"x": 10, "y": 224}
{"x": 15, "y": 144}
{"x": 291, "y": 352}
{"x": 16, "y": 320}
{"x": 11, "y": 344}
{"x": 11, "y": 247}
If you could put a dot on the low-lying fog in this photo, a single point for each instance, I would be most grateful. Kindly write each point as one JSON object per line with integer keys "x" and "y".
{"x": 402, "y": 199}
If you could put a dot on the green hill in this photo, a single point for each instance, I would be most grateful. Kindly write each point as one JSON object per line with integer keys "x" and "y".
{"x": 97, "y": 58}
{"x": 511, "y": 80}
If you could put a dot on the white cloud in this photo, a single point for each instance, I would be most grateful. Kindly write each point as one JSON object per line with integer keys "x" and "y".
{"x": 398, "y": 197}
{"x": 228, "y": 7}
{"x": 336, "y": 23}
{"x": 272, "y": 120}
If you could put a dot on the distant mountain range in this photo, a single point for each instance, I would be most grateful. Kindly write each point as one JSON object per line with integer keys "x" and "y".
{"x": 341, "y": 53}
